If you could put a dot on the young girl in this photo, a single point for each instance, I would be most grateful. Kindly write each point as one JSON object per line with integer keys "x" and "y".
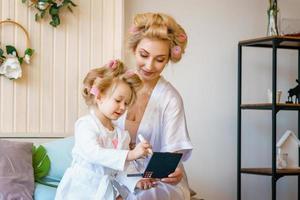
{"x": 101, "y": 149}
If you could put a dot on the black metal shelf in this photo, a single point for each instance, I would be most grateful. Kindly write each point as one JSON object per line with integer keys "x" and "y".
{"x": 275, "y": 43}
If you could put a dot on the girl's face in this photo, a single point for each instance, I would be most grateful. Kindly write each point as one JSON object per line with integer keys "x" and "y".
{"x": 114, "y": 103}
{"x": 151, "y": 56}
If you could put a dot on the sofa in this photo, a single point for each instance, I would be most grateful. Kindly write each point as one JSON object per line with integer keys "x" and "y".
{"x": 59, "y": 153}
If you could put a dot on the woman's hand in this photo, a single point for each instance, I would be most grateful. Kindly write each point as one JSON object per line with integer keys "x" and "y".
{"x": 174, "y": 178}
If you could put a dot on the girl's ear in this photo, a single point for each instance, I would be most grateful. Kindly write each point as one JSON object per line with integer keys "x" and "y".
{"x": 100, "y": 98}
{"x": 97, "y": 101}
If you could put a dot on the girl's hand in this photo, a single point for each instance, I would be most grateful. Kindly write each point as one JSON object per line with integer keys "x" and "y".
{"x": 146, "y": 183}
{"x": 174, "y": 178}
{"x": 139, "y": 151}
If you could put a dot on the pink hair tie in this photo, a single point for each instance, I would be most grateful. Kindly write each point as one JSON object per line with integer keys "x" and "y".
{"x": 112, "y": 64}
{"x": 176, "y": 52}
{"x": 182, "y": 37}
{"x": 95, "y": 91}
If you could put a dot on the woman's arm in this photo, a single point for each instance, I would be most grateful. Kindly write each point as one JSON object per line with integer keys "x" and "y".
{"x": 175, "y": 136}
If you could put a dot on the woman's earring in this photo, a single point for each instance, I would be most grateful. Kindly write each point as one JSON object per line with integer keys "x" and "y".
{"x": 176, "y": 52}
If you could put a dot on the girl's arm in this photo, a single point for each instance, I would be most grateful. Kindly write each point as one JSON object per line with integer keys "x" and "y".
{"x": 89, "y": 148}
{"x": 140, "y": 150}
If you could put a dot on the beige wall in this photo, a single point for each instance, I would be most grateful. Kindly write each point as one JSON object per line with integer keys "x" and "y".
{"x": 207, "y": 79}
{"x": 46, "y": 101}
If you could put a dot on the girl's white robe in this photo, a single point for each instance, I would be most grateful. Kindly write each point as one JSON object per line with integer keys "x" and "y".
{"x": 96, "y": 164}
{"x": 164, "y": 126}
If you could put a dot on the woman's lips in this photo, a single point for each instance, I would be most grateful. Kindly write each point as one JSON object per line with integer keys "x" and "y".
{"x": 146, "y": 73}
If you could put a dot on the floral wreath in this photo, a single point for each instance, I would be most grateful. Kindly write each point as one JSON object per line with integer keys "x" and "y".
{"x": 53, "y": 7}
{"x": 11, "y": 61}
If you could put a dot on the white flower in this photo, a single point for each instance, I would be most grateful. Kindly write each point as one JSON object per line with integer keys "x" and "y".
{"x": 27, "y": 58}
{"x": 11, "y": 67}
{"x": 13, "y": 53}
{"x": 42, "y": 5}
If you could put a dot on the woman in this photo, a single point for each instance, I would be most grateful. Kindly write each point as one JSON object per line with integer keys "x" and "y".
{"x": 158, "y": 115}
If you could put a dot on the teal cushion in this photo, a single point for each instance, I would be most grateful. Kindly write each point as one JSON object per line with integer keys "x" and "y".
{"x": 59, "y": 152}
{"x": 43, "y": 192}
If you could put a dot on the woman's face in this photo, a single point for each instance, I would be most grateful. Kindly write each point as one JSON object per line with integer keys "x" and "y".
{"x": 151, "y": 56}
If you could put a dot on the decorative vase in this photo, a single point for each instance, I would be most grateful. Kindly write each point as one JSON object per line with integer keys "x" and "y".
{"x": 272, "y": 18}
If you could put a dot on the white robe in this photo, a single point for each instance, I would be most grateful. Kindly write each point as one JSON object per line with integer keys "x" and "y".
{"x": 97, "y": 162}
{"x": 164, "y": 126}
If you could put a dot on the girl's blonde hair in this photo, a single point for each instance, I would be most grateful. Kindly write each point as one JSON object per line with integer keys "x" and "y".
{"x": 158, "y": 26}
{"x": 107, "y": 76}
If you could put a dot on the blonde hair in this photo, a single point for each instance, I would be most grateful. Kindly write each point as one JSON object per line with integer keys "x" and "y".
{"x": 107, "y": 76}
{"x": 158, "y": 26}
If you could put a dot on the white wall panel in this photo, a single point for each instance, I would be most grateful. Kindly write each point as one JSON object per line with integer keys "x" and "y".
{"x": 20, "y": 88}
{"x": 72, "y": 69}
{"x": 7, "y": 86}
{"x": 47, "y": 100}
{"x": 34, "y": 77}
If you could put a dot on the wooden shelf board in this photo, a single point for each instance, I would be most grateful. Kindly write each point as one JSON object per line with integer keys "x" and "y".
{"x": 285, "y": 42}
{"x": 268, "y": 171}
{"x": 268, "y": 106}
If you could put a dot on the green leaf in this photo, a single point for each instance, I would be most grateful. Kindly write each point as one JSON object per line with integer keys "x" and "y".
{"x": 55, "y": 21}
{"x": 23, "y": 1}
{"x": 37, "y": 17}
{"x": 10, "y": 49}
{"x": 43, "y": 168}
{"x": 29, "y": 51}
{"x": 43, "y": 13}
{"x": 33, "y": 150}
{"x": 53, "y": 10}
{"x": 1, "y": 52}
{"x": 38, "y": 154}
{"x": 20, "y": 60}
{"x": 41, "y": 162}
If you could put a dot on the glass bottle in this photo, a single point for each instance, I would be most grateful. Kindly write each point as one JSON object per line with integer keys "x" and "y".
{"x": 272, "y": 18}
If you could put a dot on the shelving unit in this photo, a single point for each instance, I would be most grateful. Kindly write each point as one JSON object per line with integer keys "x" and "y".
{"x": 275, "y": 43}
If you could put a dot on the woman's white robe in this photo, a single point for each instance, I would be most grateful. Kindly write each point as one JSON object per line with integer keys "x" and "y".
{"x": 164, "y": 126}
